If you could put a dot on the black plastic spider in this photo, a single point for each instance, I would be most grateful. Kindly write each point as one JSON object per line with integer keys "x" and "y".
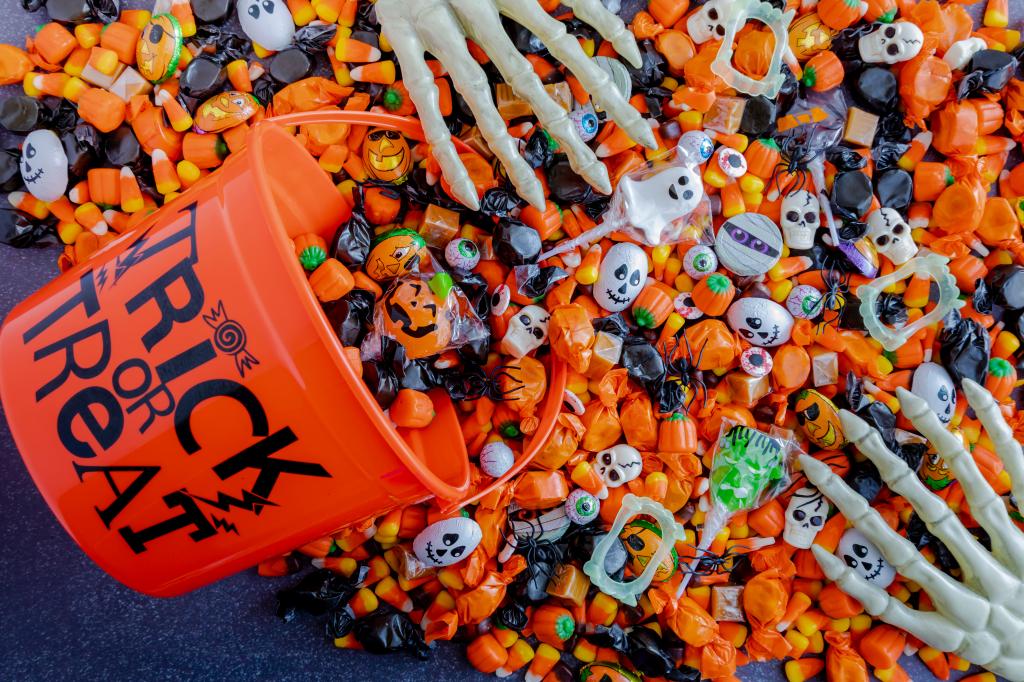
{"x": 682, "y": 368}
{"x": 711, "y": 563}
{"x": 472, "y": 383}
{"x": 837, "y": 287}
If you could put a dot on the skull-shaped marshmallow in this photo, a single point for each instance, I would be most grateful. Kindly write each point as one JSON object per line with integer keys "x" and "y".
{"x": 706, "y": 23}
{"x": 800, "y": 219}
{"x": 932, "y": 382}
{"x": 622, "y": 275}
{"x": 805, "y": 516}
{"x": 618, "y": 465}
{"x": 863, "y": 557}
{"x": 891, "y": 43}
{"x": 527, "y": 330}
{"x": 652, "y": 201}
{"x": 891, "y": 235}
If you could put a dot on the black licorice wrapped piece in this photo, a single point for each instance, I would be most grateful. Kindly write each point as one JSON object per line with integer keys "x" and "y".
{"x": 81, "y": 145}
{"x": 758, "y": 116}
{"x": 211, "y": 11}
{"x": 122, "y": 148}
{"x": 64, "y": 11}
{"x": 382, "y": 382}
{"x": 844, "y": 158}
{"x": 566, "y": 186}
{"x": 535, "y": 282}
{"x": 387, "y": 630}
{"x": 988, "y": 71}
{"x": 876, "y": 88}
{"x": 964, "y": 347}
{"x": 317, "y": 593}
{"x": 290, "y": 65}
{"x": 512, "y": 616}
{"x": 645, "y": 652}
{"x": 515, "y": 243}
{"x": 20, "y": 113}
{"x": 851, "y": 194}
{"x": 350, "y": 316}
{"x": 1006, "y": 284}
{"x": 895, "y": 188}
{"x": 19, "y": 231}
{"x": 865, "y": 479}
{"x": 351, "y": 242}
{"x": 203, "y": 78}
{"x": 540, "y": 149}
{"x": 10, "y": 172}
{"x": 313, "y": 39}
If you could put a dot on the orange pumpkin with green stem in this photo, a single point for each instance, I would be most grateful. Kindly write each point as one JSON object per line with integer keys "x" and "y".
{"x": 762, "y": 157}
{"x": 331, "y": 280}
{"x": 553, "y": 625}
{"x": 1001, "y": 378}
{"x": 840, "y": 14}
{"x": 713, "y": 294}
{"x": 653, "y": 305}
{"x": 677, "y": 433}
{"x": 823, "y": 72}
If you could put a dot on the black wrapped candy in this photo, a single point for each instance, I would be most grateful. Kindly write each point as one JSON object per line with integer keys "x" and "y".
{"x": 851, "y": 194}
{"x": 203, "y": 78}
{"x": 1006, "y": 282}
{"x": 350, "y": 316}
{"x": 964, "y": 347}
{"x": 515, "y": 243}
{"x": 758, "y": 116}
{"x": 895, "y": 188}
{"x": 317, "y": 593}
{"x": 20, "y": 113}
{"x": 876, "y": 88}
{"x": 387, "y": 630}
{"x": 351, "y": 242}
{"x": 291, "y": 65}
{"x": 211, "y": 11}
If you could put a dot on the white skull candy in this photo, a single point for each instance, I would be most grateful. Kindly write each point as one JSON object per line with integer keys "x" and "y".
{"x": 268, "y": 23}
{"x": 652, "y": 201}
{"x": 706, "y": 23}
{"x": 618, "y": 465}
{"x": 959, "y": 53}
{"x": 863, "y": 557}
{"x": 891, "y": 43}
{"x": 933, "y": 383}
{"x": 805, "y": 516}
{"x": 527, "y": 330}
{"x": 800, "y": 219}
{"x": 622, "y": 276}
{"x": 891, "y": 235}
{"x": 44, "y": 165}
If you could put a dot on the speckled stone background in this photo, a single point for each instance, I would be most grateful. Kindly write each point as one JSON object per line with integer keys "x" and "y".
{"x": 62, "y": 618}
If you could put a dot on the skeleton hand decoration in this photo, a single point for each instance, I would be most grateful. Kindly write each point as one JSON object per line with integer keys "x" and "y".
{"x": 413, "y": 27}
{"x": 980, "y": 619}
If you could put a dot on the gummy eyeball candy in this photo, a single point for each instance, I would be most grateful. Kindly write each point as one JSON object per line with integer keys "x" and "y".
{"x": 732, "y": 162}
{"x": 581, "y": 507}
{"x": 447, "y": 541}
{"x": 621, "y": 277}
{"x": 685, "y": 306}
{"x": 268, "y": 23}
{"x": 696, "y": 146}
{"x": 805, "y": 302}
{"x": 44, "y": 165}
{"x": 863, "y": 557}
{"x": 586, "y": 123}
{"x": 756, "y": 361}
{"x": 462, "y": 254}
{"x": 496, "y": 459}
{"x": 501, "y": 297}
{"x": 749, "y": 244}
{"x": 700, "y": 261}
{"x": 761, "y": 321}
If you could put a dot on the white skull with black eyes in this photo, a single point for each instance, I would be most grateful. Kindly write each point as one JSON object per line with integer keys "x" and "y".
{"x": 891, "y": 43}
{"x": 706, "y": 23}
{"x": 891, "y": 235}
{"x": 447, "y": 541}
{"x": 621, "y": 277}
{"x": 933, "y": 383}
{"x": 44, "y": 165}
{"x": 268, "y": 23}
{"x": 805, "y": 516}
{"x": 863, "y": 557}
{"x": 761, "y": 321}
{"x": 527, "y": 330}
{"x": 650, "y": 202}
{"x": 618, "y": 465}
{"x": 800, "y": 219}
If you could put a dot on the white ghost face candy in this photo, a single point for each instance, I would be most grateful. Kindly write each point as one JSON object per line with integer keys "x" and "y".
{"x": 891, "y": 235}
{"x": 618, "y": 465}
{"x": 44, "y": 165}
{"x": 891, "y": 43}
{"x": 650, "y": 202}
{"x": 527, "y": 330}
{"x": 706, "y": 23}
{"x": 933, "y": 383}
{"x": 268, "y": 23}
{"x": 800, "y": 219}
{"x": 863, "y": 557}
{"x": 447, "y": 541}
{"x": 760, "y": 321}
{"x": 496, "y": 459}
{"x": 622, "y": 276}
{"x": 748, "y": 244}
{"x": 805, "y": 516}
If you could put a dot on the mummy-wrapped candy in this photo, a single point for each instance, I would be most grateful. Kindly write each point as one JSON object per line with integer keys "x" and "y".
{"x": 863, "y": 557}
{"x": 805, "y": 516}
{"x": 618, "y": 465}
{"x": 622, "y": 275}
{"x": 891, "y": 43}
{"x": 44, "y": 165}
{"x": 749, "y": 244}
{"x": 799, "y": 219}
{"x": 496, "y": 459}
{"x": 447, "y": 541}
{"x": 933, "y": 383}
{"x": 527, "y": 330}
{"x": 890, "y": 234}
{"x": 268, "y": 23}
{"x": 761, "y": 321}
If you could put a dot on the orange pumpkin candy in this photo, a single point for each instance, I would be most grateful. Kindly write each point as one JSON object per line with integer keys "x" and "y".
{"x": 159, "y": 48}
{"x": 416, "y": 318}
{"x": 226, "y": 110}
{"x": 823, "y": 71}
{"x": 386, "y": 155}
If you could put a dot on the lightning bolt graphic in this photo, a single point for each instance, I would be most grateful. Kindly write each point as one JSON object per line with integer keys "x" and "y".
{"x": 223, "y": 523}
{"x": 250, "y": 502}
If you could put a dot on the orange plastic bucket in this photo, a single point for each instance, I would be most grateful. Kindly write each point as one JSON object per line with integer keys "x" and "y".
{"x": 181, "y": 401}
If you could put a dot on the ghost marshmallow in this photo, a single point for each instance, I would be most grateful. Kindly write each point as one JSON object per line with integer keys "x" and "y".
{"x": 933, "y": 383}
{"x": 861, "y": 555}
{"x": 760, "y": 321}
{"x": 44, "y": 165}
{"x": 748, "y": 244}
{"x": 622, "y": 276}
{"x": 805, "y": 516}
{"x": 651, "y": 202}
{"x": 268, "y": 23}
{"x": 527, "y": 330}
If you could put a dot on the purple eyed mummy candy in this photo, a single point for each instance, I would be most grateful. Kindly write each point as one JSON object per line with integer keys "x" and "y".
{"x": 748, "y": 244}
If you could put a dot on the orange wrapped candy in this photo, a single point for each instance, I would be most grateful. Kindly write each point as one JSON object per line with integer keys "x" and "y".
{"x": 718, "y": 658}
{"x": 955, "y": 129}
{"x": 711, "y": 341}
{"x": 924, "y": 83}
{"x": 563, "y": 442}
{"x": 638, "y": 421}
{"x": 601, "y": 417}
{"x": 753, "y": 52}
{"x": 961, "y": 205}
{"x": 480, "y": 602}
{"x": 572, "y": 335}
{"x": 764, "y": 600}
{"x": 309, "y": 94}
{"x": 691, "y": 622}
{"x": 541, "y": 489}
{"x": 525, "y": 384}
{"x": 842, "y": 663}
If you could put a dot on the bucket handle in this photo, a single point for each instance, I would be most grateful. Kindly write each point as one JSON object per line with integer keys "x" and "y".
{"x": 455, "y": 497}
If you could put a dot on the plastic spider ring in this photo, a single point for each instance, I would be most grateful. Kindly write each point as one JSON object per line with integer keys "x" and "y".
{"x": 736, "y": 15}
{"x": 671, "y": 532}
{"x": 932, "y": 265}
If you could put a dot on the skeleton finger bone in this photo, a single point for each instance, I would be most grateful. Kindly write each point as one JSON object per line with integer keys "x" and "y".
{"x": 609, "y": 26}
{"x": 1008, "y": 449}
{"x": 419, "y": 81}
{"x": 567, "y": 50}
{"x": 483, "y": 22}
{"x": 986, "y": 507}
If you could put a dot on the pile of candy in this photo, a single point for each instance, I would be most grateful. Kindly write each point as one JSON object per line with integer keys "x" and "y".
{"x": 826, "y": 217}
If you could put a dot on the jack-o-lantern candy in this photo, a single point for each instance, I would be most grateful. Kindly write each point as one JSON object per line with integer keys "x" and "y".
{"x": 602, "y": 671}
{"x": 809, "y": 35}
{"x": 642, "y": 539}
{"x": 386, "y": 155}
{"x": 394, "y": 254}
{"x": 934, "y": 472}
{"x": 820, "y": 420}
{"x": 226, "y": 110}
{"x": 159, "y": 48}
{"x": 417, "y": 318}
